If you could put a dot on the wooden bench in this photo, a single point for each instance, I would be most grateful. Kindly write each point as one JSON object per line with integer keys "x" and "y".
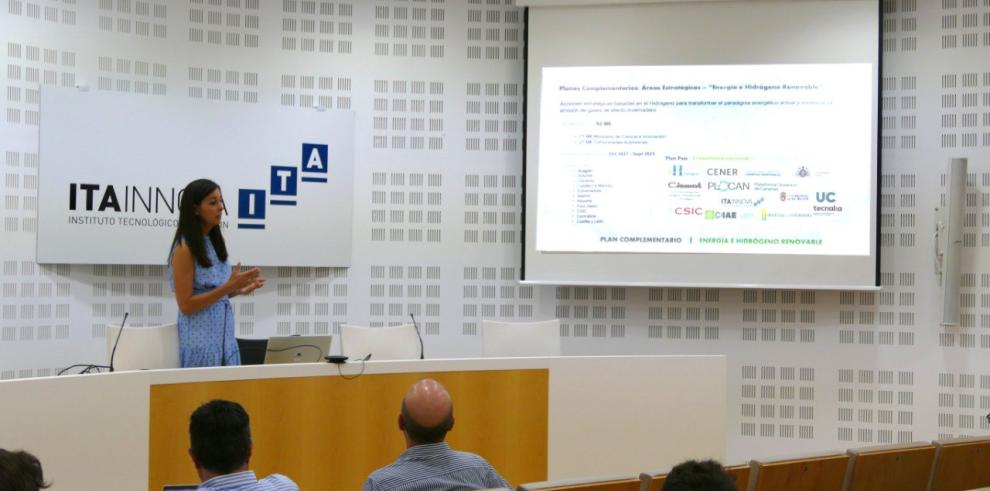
{"x": 902, "y": 467}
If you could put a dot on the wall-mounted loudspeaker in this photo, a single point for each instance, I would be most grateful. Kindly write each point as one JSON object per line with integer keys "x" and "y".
{"x": 948, "y": 241}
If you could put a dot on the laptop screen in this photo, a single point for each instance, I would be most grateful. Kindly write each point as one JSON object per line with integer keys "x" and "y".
{"x": 297, "y": 349}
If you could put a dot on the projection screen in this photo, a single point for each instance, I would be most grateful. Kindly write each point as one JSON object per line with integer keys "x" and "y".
{"x": 702, "y": 143}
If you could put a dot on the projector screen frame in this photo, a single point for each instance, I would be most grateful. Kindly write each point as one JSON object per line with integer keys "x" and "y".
{"x": 878, "y": 173}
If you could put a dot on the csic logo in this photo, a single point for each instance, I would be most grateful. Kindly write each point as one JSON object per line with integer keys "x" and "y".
{"x": 728, "y": 186}
{"x": 684, "y": 210}
{"x": 719, "y": 215}
{"x": 825, "y": 197}
{"x": 283, "y": 185}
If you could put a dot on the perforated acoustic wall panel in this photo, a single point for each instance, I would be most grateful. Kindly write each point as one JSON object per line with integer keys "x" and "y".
{"x": 437, "y": 89}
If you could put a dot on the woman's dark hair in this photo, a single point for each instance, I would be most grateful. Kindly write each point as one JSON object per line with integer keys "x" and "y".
{"x": 20, "y": 471}
{"x": 190, "y": 229}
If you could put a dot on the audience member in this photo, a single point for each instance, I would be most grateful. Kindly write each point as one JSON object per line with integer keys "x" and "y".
{"x": 429, "y": 464}
{"x": 20, "y": 471}
{"x": 692, "y": 475}
{"x": 220, "y": 447}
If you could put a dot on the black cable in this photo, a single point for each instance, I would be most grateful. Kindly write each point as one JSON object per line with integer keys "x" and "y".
{"x": 223, "y": 341}
{"x": 117, "y": 341}
{"x": 345, "y": 377}
{"x": 418, "y": 335}
{"x": 85, "y": 370}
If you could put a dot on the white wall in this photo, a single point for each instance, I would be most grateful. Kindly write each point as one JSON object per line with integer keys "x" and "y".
{"x": 437, "y": 86}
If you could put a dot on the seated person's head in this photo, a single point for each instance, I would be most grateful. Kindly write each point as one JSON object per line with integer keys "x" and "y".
{"x": 692, "y": 475}
{"x": 219, "y": 438}
{"x": 427, "y": 413}
{"x": 20, "y": 471}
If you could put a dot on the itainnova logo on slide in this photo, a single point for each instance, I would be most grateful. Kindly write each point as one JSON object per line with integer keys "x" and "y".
{"x": 283, "y": 186}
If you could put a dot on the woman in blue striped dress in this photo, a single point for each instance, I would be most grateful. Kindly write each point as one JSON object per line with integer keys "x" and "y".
{"x": 204, "y": 281}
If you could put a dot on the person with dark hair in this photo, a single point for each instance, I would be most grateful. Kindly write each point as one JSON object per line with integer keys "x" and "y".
{"x": 429, "y": 464}
{"x": 220, "y": 447}
{"x": 692, "y": 475}
{"x": 204, "y": 281}
{"x": 20, "y": 471}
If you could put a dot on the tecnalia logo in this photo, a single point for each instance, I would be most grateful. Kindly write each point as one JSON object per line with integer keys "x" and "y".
{"x": 283, "y": 185}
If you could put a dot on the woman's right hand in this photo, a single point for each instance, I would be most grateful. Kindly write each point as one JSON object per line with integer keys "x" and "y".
{"x": 241, "y": 279}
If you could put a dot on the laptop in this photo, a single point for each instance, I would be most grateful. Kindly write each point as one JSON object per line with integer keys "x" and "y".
{"x": 297, "y": 349}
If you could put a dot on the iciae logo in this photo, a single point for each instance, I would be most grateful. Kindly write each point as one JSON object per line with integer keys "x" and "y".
{"x": 283, "y": 186}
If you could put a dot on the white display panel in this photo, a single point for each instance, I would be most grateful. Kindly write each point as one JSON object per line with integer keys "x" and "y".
{"x": 706, "y": 159}
{"x": 659, "y": 183}
{"x": 112, "y": 168}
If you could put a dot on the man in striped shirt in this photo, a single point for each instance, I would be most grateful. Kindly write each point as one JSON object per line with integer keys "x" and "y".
{"x": 220, "y": 447}
{"x": 428, "y": 464}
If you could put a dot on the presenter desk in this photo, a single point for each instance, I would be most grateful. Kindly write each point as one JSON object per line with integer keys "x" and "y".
{"x": 532, "y": 418}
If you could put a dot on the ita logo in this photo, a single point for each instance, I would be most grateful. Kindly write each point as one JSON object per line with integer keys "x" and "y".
{"x": 283, "y": 186}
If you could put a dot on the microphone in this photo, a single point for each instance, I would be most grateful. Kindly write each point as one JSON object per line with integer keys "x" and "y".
{"x": 117, "y": 341}
{"x": 418, "y": 335}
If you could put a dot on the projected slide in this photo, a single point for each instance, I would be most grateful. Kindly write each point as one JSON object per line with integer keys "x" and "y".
{"x": 742, "y": 159}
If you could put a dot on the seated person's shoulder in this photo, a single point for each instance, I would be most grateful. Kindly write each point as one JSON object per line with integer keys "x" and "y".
{"x": 279, "y": 482}
{"x": 471, "y": 458}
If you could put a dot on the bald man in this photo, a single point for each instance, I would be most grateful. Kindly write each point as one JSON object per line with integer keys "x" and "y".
{"x": 428, "y": 464}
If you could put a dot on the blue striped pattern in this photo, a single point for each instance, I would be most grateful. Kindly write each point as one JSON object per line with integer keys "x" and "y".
{"x": 435, "y": 467}
{"x": 247, "y": 481}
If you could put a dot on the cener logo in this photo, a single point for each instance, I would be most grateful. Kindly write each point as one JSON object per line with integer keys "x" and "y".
{"x": 283, "y": 185}
{"x": 722, "y": 172}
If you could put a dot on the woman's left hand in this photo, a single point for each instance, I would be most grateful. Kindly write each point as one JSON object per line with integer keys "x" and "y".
{"x": 254, "y": 285}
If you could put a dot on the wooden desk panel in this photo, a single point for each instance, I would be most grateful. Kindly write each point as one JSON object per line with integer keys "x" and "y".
{"x": 329, "y": 431}
{"x": 816, "y": 474}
